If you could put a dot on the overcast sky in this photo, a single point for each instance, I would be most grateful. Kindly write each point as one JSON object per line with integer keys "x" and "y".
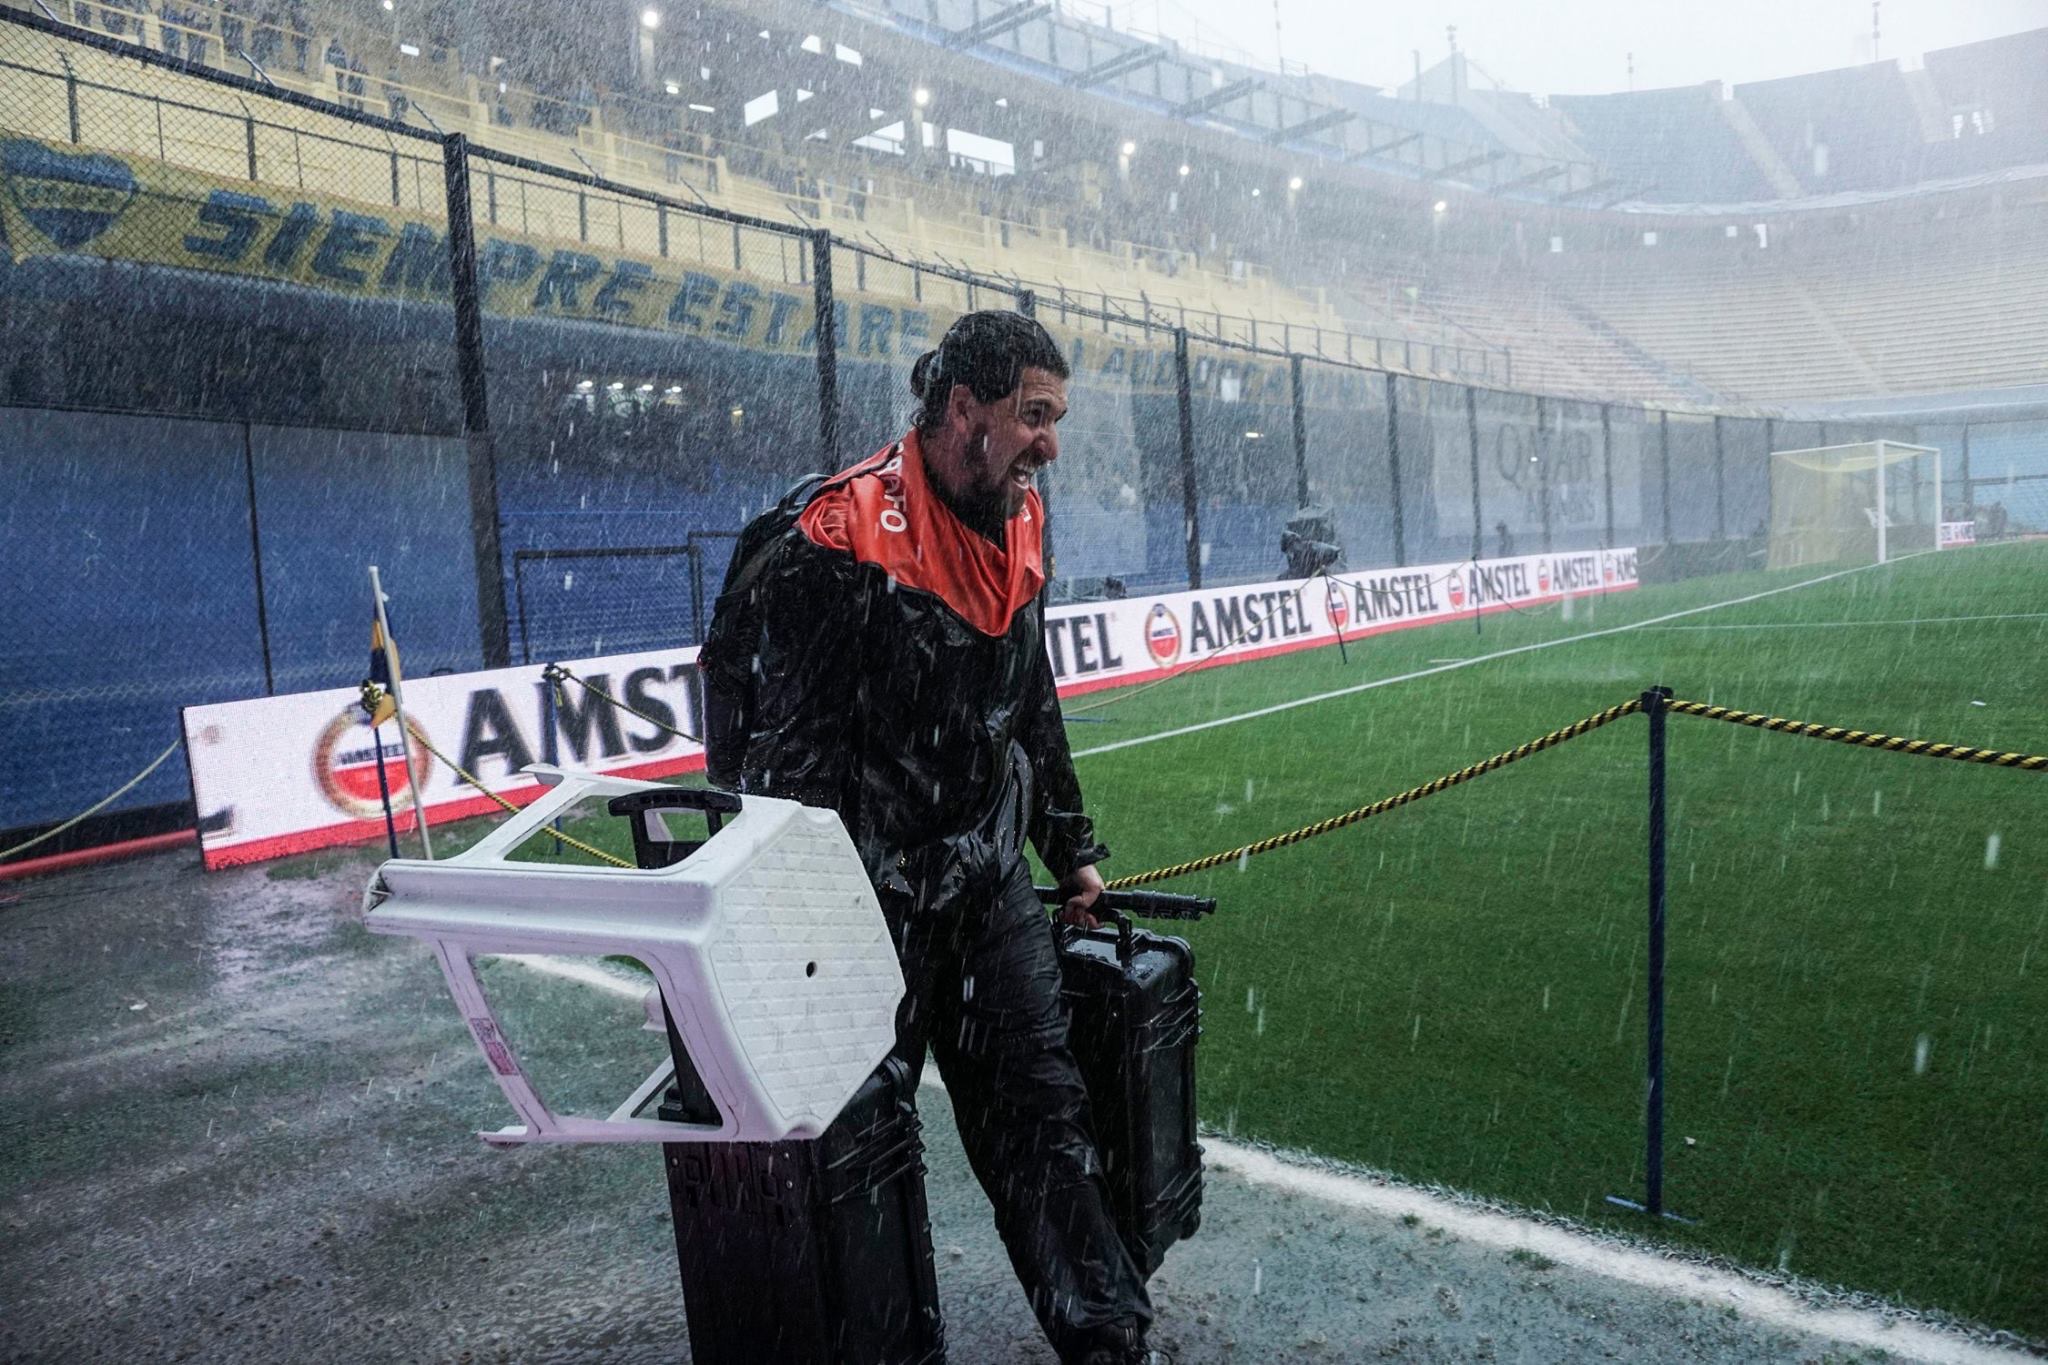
{"x": 1582, "y": 46}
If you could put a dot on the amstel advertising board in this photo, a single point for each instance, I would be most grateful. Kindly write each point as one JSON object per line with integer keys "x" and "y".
{"x": 279, "y": 775}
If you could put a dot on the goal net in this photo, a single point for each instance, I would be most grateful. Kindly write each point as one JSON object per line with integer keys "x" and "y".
{"x": 1854, "y": 504}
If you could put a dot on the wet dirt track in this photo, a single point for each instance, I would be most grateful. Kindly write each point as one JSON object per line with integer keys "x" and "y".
{"x": 236, "y": 1126}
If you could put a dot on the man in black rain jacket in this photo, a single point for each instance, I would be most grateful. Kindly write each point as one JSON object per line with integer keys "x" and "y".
{"x": 883, "y": 657}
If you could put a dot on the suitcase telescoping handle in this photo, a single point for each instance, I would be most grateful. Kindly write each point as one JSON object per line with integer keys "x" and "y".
{"x": 1143, "y": 904}
{"x": 1119, "y": 906}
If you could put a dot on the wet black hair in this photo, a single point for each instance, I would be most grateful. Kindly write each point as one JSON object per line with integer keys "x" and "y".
{"x": 988, "y": 352}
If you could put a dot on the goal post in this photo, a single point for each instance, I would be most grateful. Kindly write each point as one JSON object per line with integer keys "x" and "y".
{"x": 1862, "y": 503}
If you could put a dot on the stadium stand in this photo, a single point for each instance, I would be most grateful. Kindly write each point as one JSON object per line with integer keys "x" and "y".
{"x": 1464, "y": 237}
{"x": 1885, "y": 307}
{"x": 1641, "y": 136}
{"x": 1605, "y": 323}
{"x": 927, "y": 219}
{"x": 1853, "y": 129}
{"x": 1995, "y": 103}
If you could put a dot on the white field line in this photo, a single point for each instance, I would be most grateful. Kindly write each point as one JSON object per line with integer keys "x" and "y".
{"x": 1628, "y": 1265}
{"x": 1491, "y": 1228}
{"x": 1845, "y": 625}
{"x": 1356, "y": 688}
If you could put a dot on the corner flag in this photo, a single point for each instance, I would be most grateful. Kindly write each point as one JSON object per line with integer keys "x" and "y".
{"x": 384, "y": 670}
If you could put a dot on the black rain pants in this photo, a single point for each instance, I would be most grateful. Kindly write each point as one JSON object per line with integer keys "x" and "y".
{"x": 982, "y": 988}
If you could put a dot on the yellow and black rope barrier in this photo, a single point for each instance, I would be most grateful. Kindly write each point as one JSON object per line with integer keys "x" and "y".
{"x": 370, "y": 695}
{"x": 1413, "y": 794}
{"x": 556, "y": 674}
{"x": 1865, "y": 739}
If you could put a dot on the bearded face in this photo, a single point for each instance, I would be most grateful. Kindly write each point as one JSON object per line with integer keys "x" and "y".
{"x": 991, "y": 453}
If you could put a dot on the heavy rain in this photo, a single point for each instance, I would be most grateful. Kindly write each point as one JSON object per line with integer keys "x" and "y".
{"x": 668, "y": 663}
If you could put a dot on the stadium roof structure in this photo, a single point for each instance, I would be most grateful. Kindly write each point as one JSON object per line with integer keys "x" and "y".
{"x": 1336, "y": 123}
{"x": 1972, "y": 115}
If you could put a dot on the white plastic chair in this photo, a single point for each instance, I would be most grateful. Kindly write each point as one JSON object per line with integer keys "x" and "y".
{"x": 766, "y": 944}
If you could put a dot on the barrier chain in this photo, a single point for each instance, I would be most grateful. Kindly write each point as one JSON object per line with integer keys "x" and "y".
{"x": 1867, "y": 739}
{"x": 1337, "y": 822}
{"x": 97, "y": 806}
{"x": 556, "y": 673}
{"x": 371, "y": 693}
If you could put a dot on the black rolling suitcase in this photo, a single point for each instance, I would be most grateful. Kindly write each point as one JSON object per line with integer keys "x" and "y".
{"x": 810, "y": 1252}
{"x": 1135, "y": 1014}
{"x": 805, "y": 1252}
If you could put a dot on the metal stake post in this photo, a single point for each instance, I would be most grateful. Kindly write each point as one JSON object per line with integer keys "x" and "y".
{"x": 1656, "y": 702}
{"x": 1653, "y": 1121}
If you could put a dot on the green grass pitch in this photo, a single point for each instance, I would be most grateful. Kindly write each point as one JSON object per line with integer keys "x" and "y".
{"x": 1857, "y": 997}
{"x": 1857, "y": 1007}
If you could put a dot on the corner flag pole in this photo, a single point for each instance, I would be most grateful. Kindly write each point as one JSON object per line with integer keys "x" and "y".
{"x": 384, "y": 784}
{"x": 412, "y": 779}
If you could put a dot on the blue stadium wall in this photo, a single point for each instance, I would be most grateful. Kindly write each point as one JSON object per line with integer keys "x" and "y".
{"x": 306, "y": 436}
{"x": 174, "y": 440}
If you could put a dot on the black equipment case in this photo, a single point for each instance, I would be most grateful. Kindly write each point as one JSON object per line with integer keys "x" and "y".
{"x": 1134, "y": 1015}
{"x": 804, "y": 1252}
{"x": 811, "y": 1252}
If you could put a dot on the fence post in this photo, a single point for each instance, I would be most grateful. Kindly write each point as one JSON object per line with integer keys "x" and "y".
{"x": 1300, "y": 433}
{"x": 1720, "y": 498}
{"x": 1664, "y": 463}
{"x": 1607, "y": 469}
{"x": 1472, "y": 442}
{"x": 1027, "y": 304}
{"x": 249, "y": 142}
{"x": 1184, "y": 393}
{"x": 256, "y": 559}
{"x": 1394, "y": 471}
{"x": 71, "y": 99}
{"x": 827, "y": 334}
{"x": 476, "y": 414}
{"x": 1544, "y": 443}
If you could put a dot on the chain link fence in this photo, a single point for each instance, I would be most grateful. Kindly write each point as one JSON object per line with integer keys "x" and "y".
{"x": 251, "y": 345}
